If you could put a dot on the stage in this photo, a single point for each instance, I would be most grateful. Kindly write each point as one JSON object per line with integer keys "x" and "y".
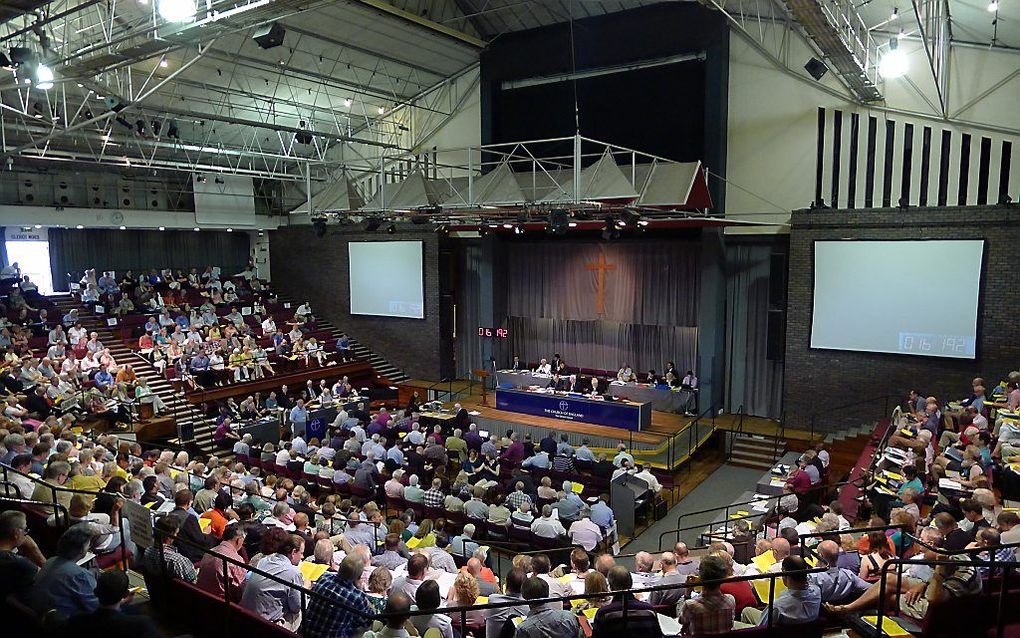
{"x": 666, "y": 443}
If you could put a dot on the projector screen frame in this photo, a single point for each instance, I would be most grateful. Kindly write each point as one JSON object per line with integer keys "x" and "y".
{"x": 983, "y": 269}
{"x": 350, "y": 287}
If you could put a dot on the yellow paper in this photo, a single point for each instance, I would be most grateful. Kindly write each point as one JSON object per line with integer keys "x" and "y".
{"x": 737, "y": 516}
{"x": 761, "y": 589}
{"x": 590, "y": 613}
{"x": 401, "y": 435}
{"x": 204, "y": 523}
{"x": 889, "y": 626}
{"x": 413, "y": 542}
{"x": 764, "y": 561}
{"x": 566, "y": 578}
{"x": 517, "y": 620}
{"x": 312, "y": 571}
{"x": 577, "y": 487}
{"x": 894, "y": 476}
{"x": 482, "y": 600}
{"x": 811, "y": 561}
{"x": 743, "y": 513}
{"x": 150, "y": 504}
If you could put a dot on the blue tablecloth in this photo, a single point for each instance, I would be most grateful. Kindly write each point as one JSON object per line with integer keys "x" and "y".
{"x": 572, "y": 407}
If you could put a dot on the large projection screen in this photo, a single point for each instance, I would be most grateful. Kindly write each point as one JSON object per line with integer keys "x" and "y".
{"x": 386, "y": 279}
{"x": 900, "y": 297}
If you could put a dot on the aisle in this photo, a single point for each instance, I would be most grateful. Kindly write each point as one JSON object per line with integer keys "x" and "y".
{"x": 722, "y": 487}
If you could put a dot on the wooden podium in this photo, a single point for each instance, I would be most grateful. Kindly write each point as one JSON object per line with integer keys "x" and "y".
{"x": 482, "y": 376}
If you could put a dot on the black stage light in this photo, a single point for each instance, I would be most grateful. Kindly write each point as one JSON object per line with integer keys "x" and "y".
{"x": 559, "y": 222}
{"x": 269, "y": 35}
{"x": 372, "y": 224}
{"x": 319, "y": 226}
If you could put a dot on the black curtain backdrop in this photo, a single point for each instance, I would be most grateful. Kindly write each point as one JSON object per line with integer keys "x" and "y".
{"x": 651, "y": 283}
{"x": 604, "y": 345}
{"x": 754, "y": 381}
{"x": 651, "y": 302}
{"x": 73, "y": 251}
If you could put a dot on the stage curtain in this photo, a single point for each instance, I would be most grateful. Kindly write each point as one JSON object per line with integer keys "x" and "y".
{"x": 469, "y": 345}
{"x": 652, "y": 283}
{"x": 603, "y": 345}
{"x": 752, "y": 380}
{"x": 73, "y": 251}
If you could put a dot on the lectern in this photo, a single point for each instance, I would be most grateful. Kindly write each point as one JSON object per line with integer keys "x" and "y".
{"x": 626, "y": 494}
{"x": 482, "y": 376}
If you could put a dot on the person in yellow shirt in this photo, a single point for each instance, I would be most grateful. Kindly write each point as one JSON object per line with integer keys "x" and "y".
{"x": 239, "y": 364}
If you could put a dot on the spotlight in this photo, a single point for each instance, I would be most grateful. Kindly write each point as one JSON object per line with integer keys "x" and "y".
{"x": 372, "y": 224}
{"x": 518, "y": 230}
{"x": 631, "y": 217}
{"x": 993, "y": 6}
{"x": 176, "y": 10}
{"x": 894, "y": 63}
{"x": 162, "y": 227}
{"x": 196, "y": 229}
{"x": 163, "y": 63}
{"x": 230, "y": 230}
{"x": 347, "y": 102}
{"x": 200, "y": 179}
{"x": 895, "y": 14}
{"x": 43, "y": 77}
{"x": 156, "y": 127}
{"x": 382, "y": 110}
{"x": 816, "y": 68}
{"x": 392, "y": 228}
{"x": 79, "y": 227}
{"x": 123, "y": 227}
{"x": 572, "y": 225}
{"x": 269, "y": 35}
{"x": 172, "y": 131}
{"x": 508, "y": 226}
{"x": 140, "y": 126}
{"x": 319, "y": 227}
{"x": 558, "y": 222}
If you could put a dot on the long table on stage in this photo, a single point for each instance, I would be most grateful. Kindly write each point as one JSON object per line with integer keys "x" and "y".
{"x": 661, "y": 398}
{"x": 625, "y": 414}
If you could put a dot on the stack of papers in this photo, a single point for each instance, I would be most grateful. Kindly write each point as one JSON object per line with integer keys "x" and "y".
{"x": 312, "y": 571}
{"x": 761, "y": 589}
{"x": 949, "y": 484}
{"x": 764, "y": 561}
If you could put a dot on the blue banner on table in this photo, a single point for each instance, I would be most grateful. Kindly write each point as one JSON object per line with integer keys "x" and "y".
{"x": 616, "y": 414}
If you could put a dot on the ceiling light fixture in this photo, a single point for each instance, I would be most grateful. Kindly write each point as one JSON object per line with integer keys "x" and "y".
{"x": 123, "y": 227}
{"x": 993, "y": 6}
{"x": 382, "y": 110}
{"x": 894, "y": 63}
{"x": 162, "y": 227}
{"x": 43, "y": 77}
{"x": 348, "y": 102}
{"x": 176, "y": 10}
{"x": 79, "y": 227}
{"x": 230, "y": 230}
{"x": 895, "y": 14}
{"x": 163, "y": 63}
{"x": 196, "y": 229}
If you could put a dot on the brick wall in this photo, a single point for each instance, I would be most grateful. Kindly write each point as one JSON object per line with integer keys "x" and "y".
{"x": 307, "y": 267}
{"x": 818, "y": 378}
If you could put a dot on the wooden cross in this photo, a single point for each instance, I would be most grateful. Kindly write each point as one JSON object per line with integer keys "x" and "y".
{"x": 601, "y": 266}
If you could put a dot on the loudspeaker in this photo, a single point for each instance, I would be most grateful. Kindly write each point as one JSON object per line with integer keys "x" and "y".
{"x": 269, "y": 35}
{"x": 319, "y": 226}
{"x": 303, "y": 137}
{"x": 816, "y": 68}
{"x": 775, "y": 344}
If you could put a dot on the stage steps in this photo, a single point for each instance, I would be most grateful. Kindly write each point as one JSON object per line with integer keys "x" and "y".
{"x": 755, "y": 451}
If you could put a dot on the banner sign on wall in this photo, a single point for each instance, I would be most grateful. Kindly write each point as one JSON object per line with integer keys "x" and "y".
{"x": 18, "y": 233}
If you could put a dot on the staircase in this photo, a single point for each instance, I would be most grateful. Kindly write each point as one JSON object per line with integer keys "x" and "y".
{"x": 185, "y": 413}
{"x": 755, "y": 451}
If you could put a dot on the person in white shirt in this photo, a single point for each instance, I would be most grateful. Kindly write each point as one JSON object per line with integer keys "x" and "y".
{"x": 543, "y": 367}
{"x": 585, "y": 533}
{"x": 548, "y": 526}
{"x": 625, "y": 374}
{"x": 646, "y": 475}
{"x": 341, "y": 418}
{"x": 268, "y": 327}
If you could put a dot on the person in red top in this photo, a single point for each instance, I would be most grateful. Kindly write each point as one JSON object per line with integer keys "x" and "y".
{"x": 799, "y": 480}
{"x": 514, "y": 453}
{"x": 742, "y": 592}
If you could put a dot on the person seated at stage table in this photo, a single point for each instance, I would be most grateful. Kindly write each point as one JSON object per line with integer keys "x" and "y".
{"x": 593, "y": 390}
{"x": 626, "y": 374}
{"x": 544, "y": 367}
{"x": 570, "y": 384}
{"x": 516, "y": 364}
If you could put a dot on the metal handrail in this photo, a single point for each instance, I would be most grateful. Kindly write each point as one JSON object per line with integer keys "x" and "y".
{"x": 883, "y": 397}
{"x": 624, "y": 594}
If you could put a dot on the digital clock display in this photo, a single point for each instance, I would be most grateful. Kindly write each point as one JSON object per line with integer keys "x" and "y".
{"x": 936, "y": 344}
{"x": 496, "y": 333}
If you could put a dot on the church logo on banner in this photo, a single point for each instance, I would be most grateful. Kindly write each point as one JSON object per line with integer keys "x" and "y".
{"x": 564, "y": 405}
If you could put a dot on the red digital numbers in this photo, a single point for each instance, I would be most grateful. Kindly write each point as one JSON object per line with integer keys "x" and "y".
{"x": 499, "y": 333}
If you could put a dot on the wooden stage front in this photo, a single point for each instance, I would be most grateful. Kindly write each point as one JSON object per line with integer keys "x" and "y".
{"x": 664, "y": 424}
